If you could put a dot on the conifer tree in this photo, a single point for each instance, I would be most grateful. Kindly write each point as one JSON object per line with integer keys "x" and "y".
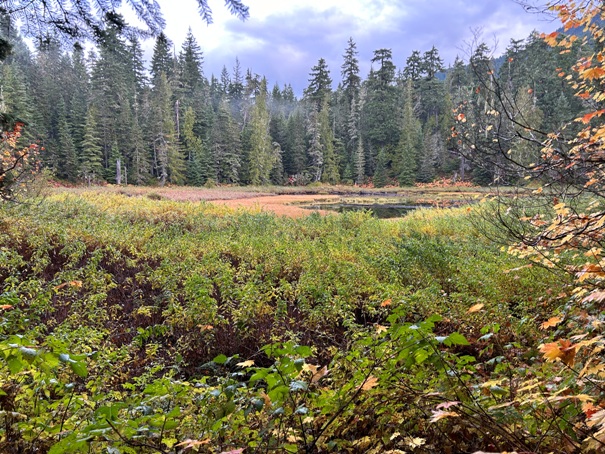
{"x": 315, "y": 150}
{"x": 351, "y": 81}
{"x": 330, "y": 164}
{"x": 225, "y": 146}
{"x": 410, "y": 140}
{"x": 360, "y": 162}
{"x": 169, "y": 162}
{"x": 261, "y": 157}
{"x": 162, "y": 61}
{"x": 320, "y": 83}
{"x": 197, "y": 157}
{"x": 380, "y": 175}
{"x": 67, "y": 166}
{"x": 140, "y": 167}
{"x": 413, "y": 66}
{"x": 91, "y": 154}
{"x": 295, "y": 154}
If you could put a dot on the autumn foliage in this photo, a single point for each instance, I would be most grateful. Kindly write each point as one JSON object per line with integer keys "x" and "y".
{"x": 15, "y": 161}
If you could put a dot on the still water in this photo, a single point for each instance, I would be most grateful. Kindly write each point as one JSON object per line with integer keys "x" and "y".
{"x": 379, "y": 210}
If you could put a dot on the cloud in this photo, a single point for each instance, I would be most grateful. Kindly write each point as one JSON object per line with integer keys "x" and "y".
{"x": 283, "y": 40}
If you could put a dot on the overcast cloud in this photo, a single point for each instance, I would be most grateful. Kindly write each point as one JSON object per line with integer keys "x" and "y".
{"x": 284, "y": 39}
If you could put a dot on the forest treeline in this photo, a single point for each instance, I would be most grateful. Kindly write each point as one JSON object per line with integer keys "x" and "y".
{"x": 107, "y": 115}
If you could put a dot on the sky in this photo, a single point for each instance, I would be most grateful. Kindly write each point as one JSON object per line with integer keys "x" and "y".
{"x": 284, "y": 39}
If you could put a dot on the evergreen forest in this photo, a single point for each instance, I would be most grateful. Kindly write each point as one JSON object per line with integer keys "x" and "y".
{"x": 106, "y": 115}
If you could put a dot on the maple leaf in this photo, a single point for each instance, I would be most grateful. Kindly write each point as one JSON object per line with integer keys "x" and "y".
{"x": 475, "y": 308}
{"x": 593, "y": 73}
{"x": 440, "y": 414}
{"x": 597, "y": 419}
{"x": 386, "y": 303}
{"x": 589, "y": 116}
{"x": 415, "y": 442}
{"x": 380, "y": 329}
{"x": 370, "y": 383}
{"x": 446, "y": 405}
{"x": 248, "y": 363}
{"x": 553, "y": 321}
{"x": 562, "y": 349}
{"x": 589, "y": 409}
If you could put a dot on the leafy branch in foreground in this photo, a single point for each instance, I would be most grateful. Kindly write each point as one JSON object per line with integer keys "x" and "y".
{"x": 17, "y": 163}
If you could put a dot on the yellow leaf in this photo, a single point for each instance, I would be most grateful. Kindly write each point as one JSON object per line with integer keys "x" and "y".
{"x": 248, "y": 363}
{"x": 475, "y": 308}
{"x": 380, "y": 329}
{"x": 266, "y": 398}
{"x": 440, "y": 414}
{"x": 553, "y": 321}
{"x": 370, "y": 383}
{"x": 593, "y": 73}
{"x": 318, "y": 375}
{"x": 189, "y": 443}
{"x": 415, "y": 442}
{"x": 562, "y": 349}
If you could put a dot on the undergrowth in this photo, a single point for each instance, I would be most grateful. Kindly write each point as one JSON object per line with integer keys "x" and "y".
{"x": 141, "y": 325}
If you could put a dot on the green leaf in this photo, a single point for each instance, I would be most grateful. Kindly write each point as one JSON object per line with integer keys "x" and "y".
{"x": 69, "y": 445}
{"x": 456, "y": 339}
{"x": 14, "y": 365}
{"x": 79, "y": 368}
{"x": 303, "y": 350}
{"x": 220, "y": 359}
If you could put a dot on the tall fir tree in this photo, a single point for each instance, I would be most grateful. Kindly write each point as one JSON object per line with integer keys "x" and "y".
{"x": 91, "y": 154}
{"x": 261, "y": 158}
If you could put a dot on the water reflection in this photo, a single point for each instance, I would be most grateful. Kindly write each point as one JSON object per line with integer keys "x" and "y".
{"x": 379, "y": 210}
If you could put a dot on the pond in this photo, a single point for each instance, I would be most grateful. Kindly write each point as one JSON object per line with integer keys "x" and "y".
{"x": 379, "y": 210}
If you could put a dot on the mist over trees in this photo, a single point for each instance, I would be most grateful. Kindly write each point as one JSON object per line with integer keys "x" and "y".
{"x": 109, "y": 116}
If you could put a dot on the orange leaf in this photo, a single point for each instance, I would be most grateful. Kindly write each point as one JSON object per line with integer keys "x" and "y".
{"x": 589, "y": 116}
{"x": 551, "y": 351}
{"x": 553, "y": 321}
{"x": 319, "y": 374}
{"x": 562, "y": 349}
{"x": 6, "y": 306}
{"x": 589, "y": 409}
{"x": 475, "y": 308}
{"x": 386, "y": 303}
{"x": 593, "y": 73}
